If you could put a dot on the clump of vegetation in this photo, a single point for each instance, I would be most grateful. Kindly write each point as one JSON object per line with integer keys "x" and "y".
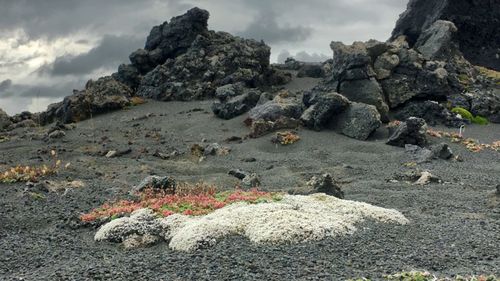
{"x": 134, "y": 101}
{"x": 471, "y": 144}
{"x": 426, "y": 276}
{"x": 192, "y": 200}
{"x": 31, "y": 173}
{"x": 467, "y": 115}
{"x": 286, "y": 138}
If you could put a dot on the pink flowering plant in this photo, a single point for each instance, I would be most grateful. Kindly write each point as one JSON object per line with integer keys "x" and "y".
{"x": 192, "y": 204}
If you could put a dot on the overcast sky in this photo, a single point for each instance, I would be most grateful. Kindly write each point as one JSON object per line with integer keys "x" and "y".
{"x": 49, "y": 47}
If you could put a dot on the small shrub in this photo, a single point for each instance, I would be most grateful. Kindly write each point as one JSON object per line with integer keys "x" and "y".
{"x": 200, "y": 199}
{"x": 286, "y": 138}
{"x": 31, "y": 173}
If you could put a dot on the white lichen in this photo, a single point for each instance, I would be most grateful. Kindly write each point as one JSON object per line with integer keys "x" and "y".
{"x": 294, "y": 219}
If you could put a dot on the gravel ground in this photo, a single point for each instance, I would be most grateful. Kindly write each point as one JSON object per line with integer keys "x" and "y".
{"x": 454, "y": 228}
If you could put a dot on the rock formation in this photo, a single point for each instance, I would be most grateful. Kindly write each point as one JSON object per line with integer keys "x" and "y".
{"x": 477, "y": 23}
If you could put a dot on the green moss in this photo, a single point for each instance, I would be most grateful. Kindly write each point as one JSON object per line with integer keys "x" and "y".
{"x": 480, "y": 120}
{"x": 463, "y": 112}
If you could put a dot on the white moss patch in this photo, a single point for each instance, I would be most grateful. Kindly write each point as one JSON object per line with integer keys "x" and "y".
{"x": 294, "y": 219}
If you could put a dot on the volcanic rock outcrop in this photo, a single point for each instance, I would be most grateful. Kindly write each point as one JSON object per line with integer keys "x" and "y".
{"x": 181, "y": 60}
{"x": 477, "y": 22}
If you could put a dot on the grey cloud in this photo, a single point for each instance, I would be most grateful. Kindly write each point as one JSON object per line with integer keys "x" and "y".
{"x": 265, "y": 27}
{"x": 5, "y": 85}
{"x": 61, "y": 89}
{"x": 111, "y": 51}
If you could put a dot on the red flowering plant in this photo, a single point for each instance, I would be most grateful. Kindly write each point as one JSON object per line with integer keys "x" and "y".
{"x": 200, "y": 200}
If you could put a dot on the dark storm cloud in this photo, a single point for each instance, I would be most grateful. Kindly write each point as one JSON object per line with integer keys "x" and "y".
{"x": 265, "y": 27}
{"x": 111, "y": 51}
{"x": 60, "y": 89}
{"x": 5, "y": 85}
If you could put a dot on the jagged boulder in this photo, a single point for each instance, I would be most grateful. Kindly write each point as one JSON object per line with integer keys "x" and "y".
{"x": 322, "y": 107}
{"x": 412, "y": 131}
{"x": 282, "y": 106}
{"x": 5, "y": 121}
{"x": 101, "y": 96}
{"x": 358, "y": 121}
{"x": 354, "y": 76}
{"x": 438, "y": 41}
{"x": 477, "y": 23}
{"x": 234, "y": 100}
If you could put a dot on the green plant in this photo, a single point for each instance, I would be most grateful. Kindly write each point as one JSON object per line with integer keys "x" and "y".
{"x": 468, "y": 115}
{"x": 480, "y": 120}
{"x": 200, "y": 201}
{"x": 463, "y": 112}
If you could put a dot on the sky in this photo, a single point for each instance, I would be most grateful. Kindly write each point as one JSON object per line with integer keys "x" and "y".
{"x": 50, "y": 47}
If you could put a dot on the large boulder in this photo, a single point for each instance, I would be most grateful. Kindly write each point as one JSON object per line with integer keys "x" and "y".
{"x": 234, "y": 100}
{"x": 282, "y": 106}
{"x": 412, "y": 131}
{"x": 101, "y": 96}
{"x": 358, "y": 121}
{"x": 477, "y": 23}
{"x": 438, "y": 41}
{"x": 322, "y": 108}
{"x": 353, "y": 75}
{"x": 5, "y": 121}
{"x": 214, "y": 59}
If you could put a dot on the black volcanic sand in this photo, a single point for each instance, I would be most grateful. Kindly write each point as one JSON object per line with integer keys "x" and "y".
{"x": 454, "y": 229}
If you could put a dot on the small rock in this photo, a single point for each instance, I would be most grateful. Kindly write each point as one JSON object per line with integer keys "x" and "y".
{"x": 426, "y": 178}
{"x": 412, "y": 131}
{"x": 321, "y": 184}
{"x": 216, "y": 150}
{"x": 248, "y": 160}
{"x": 156, "y": 182}
{"x": 110, "y": 154}
{"x": 251, "y": 180}
{"x": 239, "y": 174}
{"x": 57, "y": 134}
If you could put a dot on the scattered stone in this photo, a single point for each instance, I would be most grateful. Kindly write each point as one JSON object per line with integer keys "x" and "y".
{"x": 216, "y": 149}
{"x": 248, "y": 160}
{"x": 118, "y": 153}
{"x": 427, "y": 178}
{"x": 234, "y": 139}
{"x": 251, "y": 181}
{"x": 321, "y": 184}
{"x": 57, "y": 134}
{"x": 421, "y": 155}
{"x": 239, "y": 174}
{"x": 412, "y": 131}
{"x": 111, "y": 154}
{"x": 156, "y": 182}
{"x": 261, "y": 128}
{"x": 358, "y": 121}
